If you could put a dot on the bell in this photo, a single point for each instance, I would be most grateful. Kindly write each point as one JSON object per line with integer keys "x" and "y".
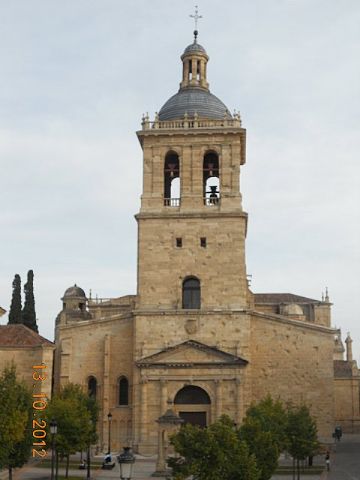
{"x": 172, "y": 168}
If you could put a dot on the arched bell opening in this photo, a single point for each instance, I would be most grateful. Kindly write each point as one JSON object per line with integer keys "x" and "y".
{"x": 211, "y": 179}
{"x": 193, "y": 404}
{"x": 172, "y": 180}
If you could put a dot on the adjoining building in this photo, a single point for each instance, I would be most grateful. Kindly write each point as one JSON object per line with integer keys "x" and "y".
{"x": 194, "y": 336}
{"x": 21, "y": 346}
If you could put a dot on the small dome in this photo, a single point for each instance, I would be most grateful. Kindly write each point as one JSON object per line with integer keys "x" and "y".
{"x": 74, "y": 291}
{"x": 191, "y": 101}
{"x": 194, "y": 48}
{"x": 292, "y": 309}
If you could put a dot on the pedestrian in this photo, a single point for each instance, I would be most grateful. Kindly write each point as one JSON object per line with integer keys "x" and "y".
{"x": 327, "y": 460}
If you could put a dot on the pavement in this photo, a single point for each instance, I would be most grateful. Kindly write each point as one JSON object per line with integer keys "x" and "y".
{"x": 345, "y": 459}
{"x": 344, "y": 465}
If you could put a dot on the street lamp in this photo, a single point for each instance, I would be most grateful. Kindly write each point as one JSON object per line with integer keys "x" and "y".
{"x": 109, "y": 441}
{"x": 88, "y": 453}
{"x": 126, "y": 461}
{"x": 53, "y": 432}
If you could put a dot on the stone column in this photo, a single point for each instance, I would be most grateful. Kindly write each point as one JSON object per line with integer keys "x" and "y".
{"x": 194, "y": 70}
{"x": 202, "y": 73}
{"x": 239, "y": 402}
{"x": 163, "y": 397}
{"x": 106, "y": 388}
{"x": 143, "y": 410}
{"x": 218, "y": 395}
{"x": 186, "y": 72}
{"x": 160, "y": 464}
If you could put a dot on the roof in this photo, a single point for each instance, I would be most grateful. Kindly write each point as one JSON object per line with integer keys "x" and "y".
{"x": 2, "y": 311}
{"x": 18, "y": 335}
{"x": 282, "y": 298}
{"x": 74, "y": 291}
{"x": 194, "y": 48}
{"x": 194, "y": 101}
{"x": 342, "y": 369}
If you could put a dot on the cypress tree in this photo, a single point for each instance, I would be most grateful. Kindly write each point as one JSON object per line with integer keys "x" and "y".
{"x": 15, "y": 307}
{"x": 28, "y": 313}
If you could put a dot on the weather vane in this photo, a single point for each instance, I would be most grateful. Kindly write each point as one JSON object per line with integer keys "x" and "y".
{"x": 196, "y": 16}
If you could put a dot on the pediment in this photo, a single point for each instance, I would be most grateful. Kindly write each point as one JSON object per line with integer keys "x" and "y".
{"x": 191, "y": 354}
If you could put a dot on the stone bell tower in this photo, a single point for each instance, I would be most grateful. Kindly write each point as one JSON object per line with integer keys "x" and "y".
{"x": 190, "y": 322}
{"x": 192, "y": 227}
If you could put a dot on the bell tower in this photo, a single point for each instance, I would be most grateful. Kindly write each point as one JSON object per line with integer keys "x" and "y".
{"x": 191, "y": 225}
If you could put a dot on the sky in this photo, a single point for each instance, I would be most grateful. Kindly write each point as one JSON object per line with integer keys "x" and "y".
{"x": 76, "y": 77}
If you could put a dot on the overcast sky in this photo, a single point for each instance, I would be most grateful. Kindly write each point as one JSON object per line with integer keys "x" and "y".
{"x": 75, "y": 78}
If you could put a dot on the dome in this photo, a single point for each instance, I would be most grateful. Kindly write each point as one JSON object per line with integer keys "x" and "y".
{"x": 191, "y": 101}
{"x": 292, "y": 309}
{"x": 194, "y": 48}
{"x": 74, "y": 291}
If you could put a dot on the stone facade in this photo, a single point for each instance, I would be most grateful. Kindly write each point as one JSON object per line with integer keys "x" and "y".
{"x": 194, "y": 336}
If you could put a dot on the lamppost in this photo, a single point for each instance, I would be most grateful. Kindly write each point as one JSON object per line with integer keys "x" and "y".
{"x": 53, "y": 432}
{"x": 88, "y": 460}
{"x": 109, "y": 428}
{"x": 126, "y": 461}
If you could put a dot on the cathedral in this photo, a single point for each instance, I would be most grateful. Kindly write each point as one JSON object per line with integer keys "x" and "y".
{"x": 194, "y": 337}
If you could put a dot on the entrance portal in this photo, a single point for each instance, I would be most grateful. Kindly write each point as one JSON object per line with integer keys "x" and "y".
{"x": 192, "y": 404}
{"x": 195, "y": 418}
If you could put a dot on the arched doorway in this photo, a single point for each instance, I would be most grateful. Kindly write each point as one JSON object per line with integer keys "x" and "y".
{"x": 192, "y": 404}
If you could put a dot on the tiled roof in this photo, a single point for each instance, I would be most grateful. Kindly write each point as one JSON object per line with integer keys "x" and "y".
{"x": 20, "y": 336}
{"x": 2, "y": 311}
{"x": 282, "y": 298}
{"x": 342, "y": 369}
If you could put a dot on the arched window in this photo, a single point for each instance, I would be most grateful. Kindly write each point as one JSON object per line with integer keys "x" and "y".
{"x": 92, "y": 386}
{"x": 192, "y": 395}
{"x": 123, "y": 391}
{"x": 191, "y": 293}
{"x": 172, "y": 180}
{"x": 211, "y": 178}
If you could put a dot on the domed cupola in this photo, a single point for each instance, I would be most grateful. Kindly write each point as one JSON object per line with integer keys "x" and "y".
{"x": 194, "y": 98}
{"x": 194, "y": 61}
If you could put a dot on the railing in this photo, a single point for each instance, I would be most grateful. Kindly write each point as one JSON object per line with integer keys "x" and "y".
{"x": 208, "y": 201}
{"x": 211, "y": 201}
{"x": 172, "y": 202}
{"x": 186, "y": 123}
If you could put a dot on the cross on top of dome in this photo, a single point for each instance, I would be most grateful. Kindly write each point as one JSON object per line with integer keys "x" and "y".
{"x": 196, "y": 18}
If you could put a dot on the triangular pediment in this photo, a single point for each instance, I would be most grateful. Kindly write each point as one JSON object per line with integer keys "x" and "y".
{"x": 190, "y": 354}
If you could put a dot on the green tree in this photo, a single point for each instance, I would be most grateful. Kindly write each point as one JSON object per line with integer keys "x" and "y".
{"x": 15, "y": 421}
{"x": 212, "y": 453}
{"x": 76, "y": 417}
{"x": 15, "y": 307}
{"x": 262, "y": 444}
{"x": 301, "y": 434}
{"x": 271, "y": 415}
{"x": 264, "y": 431}
{"x": 28, "y": 313}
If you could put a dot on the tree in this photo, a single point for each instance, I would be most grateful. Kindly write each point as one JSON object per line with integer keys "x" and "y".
{"x": 76, "y": 415}
{"x": 212, "y": 453}
{"x": 271, "y": 415}
{"x": 264, "y": 431}
{"x": 15, "y": 307}
{"x": 28, "y": 313}
{"x": 15, "y": 421}
{"x": 301, "y": 433}
{"x": 262, "y": 444}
